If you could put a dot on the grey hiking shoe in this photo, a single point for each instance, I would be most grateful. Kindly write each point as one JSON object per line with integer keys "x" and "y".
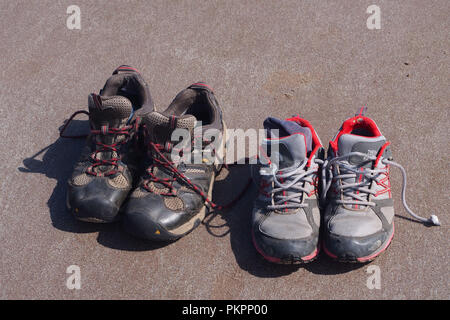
{"x": 359, "y": 218}
{"x": 171, "y": 198}
{"x": 107, "y": 169}
{"x": 286, "y": 216}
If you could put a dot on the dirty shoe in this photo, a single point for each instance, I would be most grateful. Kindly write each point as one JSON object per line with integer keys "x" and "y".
{"x": 104, "y": 175}
{"x": 171, "y": 198}
{"x": 286, "y": 216}
{"x": 359, "y": 218}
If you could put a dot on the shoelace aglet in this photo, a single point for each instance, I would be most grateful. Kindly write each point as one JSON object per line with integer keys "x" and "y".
{"x": 434, "y": 220}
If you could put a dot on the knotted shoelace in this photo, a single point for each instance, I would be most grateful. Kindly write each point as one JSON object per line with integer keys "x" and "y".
{"x": 357, "y": 193}
{"x": 101, "y": 147}
{"x": 160, "y": 160}
{"x": 111, "y": 149}
{"x": 292, "y": 180}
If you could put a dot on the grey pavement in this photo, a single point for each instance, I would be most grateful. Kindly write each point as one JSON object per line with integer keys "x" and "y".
{"x": 263, "y": 58}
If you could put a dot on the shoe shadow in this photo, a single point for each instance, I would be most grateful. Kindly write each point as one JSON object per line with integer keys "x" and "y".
{"x": 56, "y": 162}
{"x": 237, "y": 223}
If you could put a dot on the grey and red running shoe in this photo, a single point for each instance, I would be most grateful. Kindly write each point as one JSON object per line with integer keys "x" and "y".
{"x": 286, "y": 215}
{"x": 172, "y": 197}
{"x": 107, "y": 169}
{"x": 359, "y": 218}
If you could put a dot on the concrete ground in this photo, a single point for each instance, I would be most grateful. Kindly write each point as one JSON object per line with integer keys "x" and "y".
{"x": 263, "y": 58}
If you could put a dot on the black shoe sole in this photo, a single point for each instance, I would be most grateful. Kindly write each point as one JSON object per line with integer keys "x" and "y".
{"x": 362, "y": 260}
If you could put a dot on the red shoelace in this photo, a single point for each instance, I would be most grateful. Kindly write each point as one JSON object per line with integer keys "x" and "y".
{"x": 161, "y": 161}
{"x": 114, "y": 147}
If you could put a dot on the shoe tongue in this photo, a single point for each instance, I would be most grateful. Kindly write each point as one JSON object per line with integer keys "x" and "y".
{"x": 353, "y": 143}
{"x": 277, "y": 128}
{"x": 287, "y": 143}
{"x": 162, "y": 126}
{"x": 112, "y": 110}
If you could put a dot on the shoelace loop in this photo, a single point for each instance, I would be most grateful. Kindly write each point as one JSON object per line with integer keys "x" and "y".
{"x": 349, "y": 189}
{"x": 161, "y": 161}
{"x": 105, "y": 130}
{"x": 291, "y": 180}
{"x": 108, "y": 148}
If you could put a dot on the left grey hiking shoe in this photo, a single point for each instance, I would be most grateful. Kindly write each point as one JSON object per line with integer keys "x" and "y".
{"x": 108, "y": 165}
{"x": 359, "y": 218}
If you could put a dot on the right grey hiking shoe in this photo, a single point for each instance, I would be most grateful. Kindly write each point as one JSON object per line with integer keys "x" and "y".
{"x": 173, "y": 195}
{"x": 286, "y": 216}
{"x": 359, "y": 218}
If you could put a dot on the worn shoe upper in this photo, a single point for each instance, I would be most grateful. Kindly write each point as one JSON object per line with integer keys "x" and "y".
{"x": 286, "y": 216}
{"x": 360, "y": 213}
{"x": 170, "y": 199}
{"x": 104, "y": 175}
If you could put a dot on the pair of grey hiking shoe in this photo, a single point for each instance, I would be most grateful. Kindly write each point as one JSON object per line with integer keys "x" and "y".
{"x": 341, "y": 203}
{"x": 128, "y": 169}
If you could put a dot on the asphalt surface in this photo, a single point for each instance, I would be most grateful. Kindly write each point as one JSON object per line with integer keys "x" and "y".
{"x": 263, "y": 58}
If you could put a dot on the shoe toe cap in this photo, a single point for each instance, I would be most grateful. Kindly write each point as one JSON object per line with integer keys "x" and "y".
{"x": 356, "y": 248}
{"x": 94, "y": 209}
{"x": 285, "y": 250}
{"x": 95, "y": 202}
{"x": 149, "y": 218}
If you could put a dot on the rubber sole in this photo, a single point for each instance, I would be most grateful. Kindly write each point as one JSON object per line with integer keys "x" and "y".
{"x": 365, "y": 259}
{"x": 155, "y": 232}
{"x": 288, "y": 260}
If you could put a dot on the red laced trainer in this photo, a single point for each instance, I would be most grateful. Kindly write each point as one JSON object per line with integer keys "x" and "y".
{"x": 104, "y": 175}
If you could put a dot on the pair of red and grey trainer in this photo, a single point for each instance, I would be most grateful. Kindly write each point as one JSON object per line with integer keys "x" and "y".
{"x": 340, "y": 202}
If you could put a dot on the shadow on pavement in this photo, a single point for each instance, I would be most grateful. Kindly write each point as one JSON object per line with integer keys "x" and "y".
{"x": 237, "y": 223}
{"x": 57, "y": 163}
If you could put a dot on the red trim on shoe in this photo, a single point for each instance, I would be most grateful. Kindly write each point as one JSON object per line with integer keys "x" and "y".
{"x": 353, "y": 123}
{"x": 385, "y": 183}
{"x": 127, "y": 68}
{"x": 380, "y": 153}
{"x": 307, "y": 124}
{"x": 203, "y": 85}
{"x": 268, "y": 258}
{"x": 316, "y": 141}
{"x": 328, "y": 252}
